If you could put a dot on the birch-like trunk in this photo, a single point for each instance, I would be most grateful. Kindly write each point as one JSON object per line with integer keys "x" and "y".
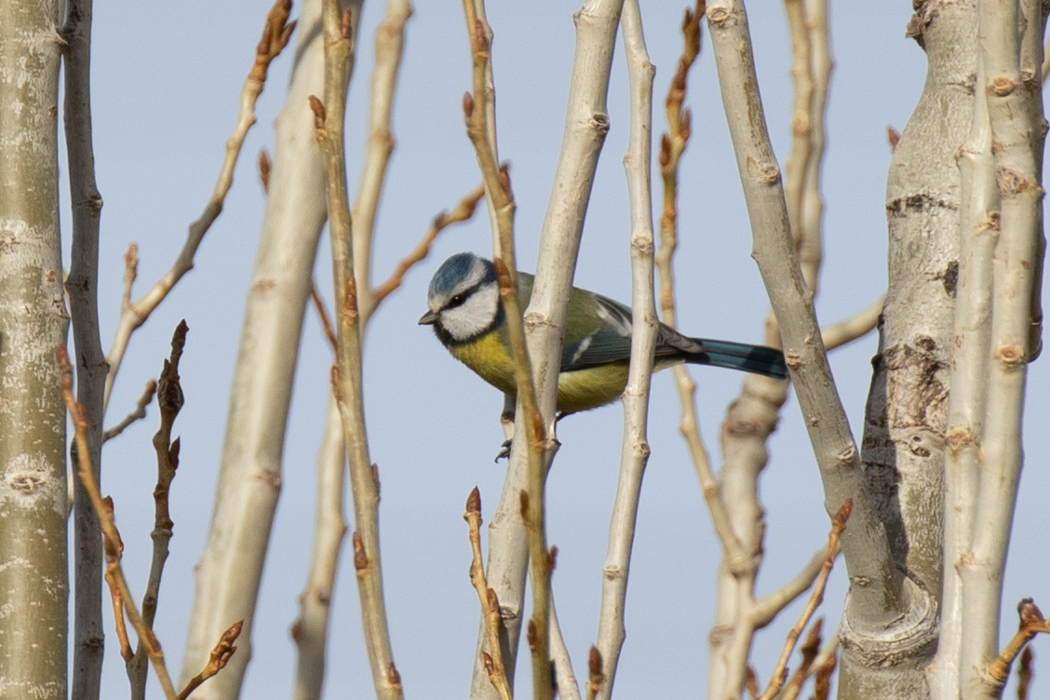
{"x": 903, "y": 446}
{"x": 33, "y": 324}
{"x": 230, "y": 569}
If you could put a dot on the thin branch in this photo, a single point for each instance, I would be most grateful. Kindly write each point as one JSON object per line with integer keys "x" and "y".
{"x": 276, "y": 33}
{"x": 480, "y": 127}
{"x": 464, "y": 211}
{"x": 169, "y": 402}
{"x": 672, "y": 146}
{"x": 810, "y": 649}
{"x": 978, "y": 230}
{"x": 635, "y": 449}
{"x": 1018, "y": 166}
{"x": 389, "y": 47}
{"x": 1032, "y": 623}
{"x": 310, "y": 630}
{"x": 82, "y": 288}
{"x": 565, "y": 676}
{"x": 595, "y": 679}
{"x": 838, "y": 524}
{"x": 586, "y": 125}
{"x": 323, "y": 317}
{"x": 765, "y": 609}
{"x": 865, "y": 546}
{"x": 346, "y": 374}
{"x": 824, "y": 666}
{"x": 1025, "y": 672}
{"x": 114, "y": 552}
{"x": 853, "y": 328}
{"x": 217, "y": 660}
{"x": 138, "y": 414}
{"x": 487, "y": 597}
{"x": 109, "y": 530}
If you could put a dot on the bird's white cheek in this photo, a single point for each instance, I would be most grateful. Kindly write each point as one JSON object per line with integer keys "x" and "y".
{"x": 473, "y": 316}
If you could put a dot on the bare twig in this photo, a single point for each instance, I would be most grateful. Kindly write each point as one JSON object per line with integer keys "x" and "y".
{"x": 635, "y": 449}
{"x": 114, "y": 551}
{"x": 480, "y": 128}
{"x": 1013, "y": 340}
{"x": 565, "y": 676}
{"x": 218, "y": 659}
{"x": 346, "y": 374}
{"x": 1032, "y": 623}
{"x": 82, "y": 289}
{"x": 672, "y": 146}
{"x": 865, "y": 546}
{"x": 138, "y": 414}
{"x": 109, "y": 530}
{"x": 765, "y": 609}
{"x": 1025, "y": 672}
{"x": 853, "y": 328}
{"x": 464, "y": 211}
{"x": 838, "y": 524}
{"x": 169, "y": 402}
{"x": 322, "y": 315}
{"x": 1046, "y": 60}
{"x": 487, "y": 597}
{"x": 389, "y": 47}
{"x": 810, "y": 649}
{"x": 276, "y": 33}
{"x": 586, "y": 125}
{"x": 595, "y": 678}
{"x": 310, "y": 630}
{"x": 825, "y": 665}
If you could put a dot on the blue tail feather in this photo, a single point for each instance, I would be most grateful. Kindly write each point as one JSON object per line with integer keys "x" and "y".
{"x": 749, "y": 358}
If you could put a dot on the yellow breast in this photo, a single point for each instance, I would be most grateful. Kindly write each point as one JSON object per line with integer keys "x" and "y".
{"x": 577, "y": 391}
{"x": 490, "y": 359}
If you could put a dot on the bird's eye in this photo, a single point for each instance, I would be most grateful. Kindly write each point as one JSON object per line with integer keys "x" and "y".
{"x": 455, "y": 301}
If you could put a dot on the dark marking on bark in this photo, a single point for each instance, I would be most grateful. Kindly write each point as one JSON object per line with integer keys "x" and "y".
{"x": 921, "y": 201}
{"x": 950, "y": 278}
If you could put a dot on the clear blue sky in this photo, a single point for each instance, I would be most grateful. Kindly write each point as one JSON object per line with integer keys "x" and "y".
{"x": 166, "y": 81}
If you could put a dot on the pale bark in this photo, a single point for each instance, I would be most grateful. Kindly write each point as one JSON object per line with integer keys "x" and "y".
{"x": 881, "y": 600}
{"x": 1015, "y": 129}
{"x": 230, "y": 568}
{"x": 310, "y": 630}
{"x": 347, "y": 380}
{"x": 82, "y": 287}
{"x": 389, "y": 47}
{"x": 906, "y": 414}
{"x": 978, "y": 224}
{"x": 644, "y": 323}
{"x": 33, "y": 324}
{"x": 585, "y": 127}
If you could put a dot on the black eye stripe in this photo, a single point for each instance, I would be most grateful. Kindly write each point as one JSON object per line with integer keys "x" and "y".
{"x": 458, "y": 299}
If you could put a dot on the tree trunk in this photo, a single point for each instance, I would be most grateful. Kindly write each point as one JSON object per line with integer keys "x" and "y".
{"x": 33, "y": 324}
{"x": 903, "y": 445}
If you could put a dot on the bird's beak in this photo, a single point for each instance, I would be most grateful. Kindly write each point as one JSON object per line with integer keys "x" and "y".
{"x": 429, "y": 318}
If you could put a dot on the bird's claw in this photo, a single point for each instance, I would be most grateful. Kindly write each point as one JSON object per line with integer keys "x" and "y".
{"x": 504, "y": 451}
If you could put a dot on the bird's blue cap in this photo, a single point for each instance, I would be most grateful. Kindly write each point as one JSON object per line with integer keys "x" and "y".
{"x": 451, "y": 273}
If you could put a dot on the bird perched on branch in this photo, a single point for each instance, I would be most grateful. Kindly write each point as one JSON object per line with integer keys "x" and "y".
{"x": 468, "y": 317}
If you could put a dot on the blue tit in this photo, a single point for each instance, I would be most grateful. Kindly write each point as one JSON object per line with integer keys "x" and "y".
{"x": 468, "y": 317}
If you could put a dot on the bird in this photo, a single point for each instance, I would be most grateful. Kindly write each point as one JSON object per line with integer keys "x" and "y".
{"x": 467, "y": 315}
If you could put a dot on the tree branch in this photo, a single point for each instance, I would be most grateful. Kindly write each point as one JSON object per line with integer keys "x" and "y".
{"x": 644, "y": 324}
{"x": 82, "y": 288}
{"x": 169, "y": 402}
{"x": 389, "y": 47}
{"x": 276, "y": 33}
{"x": 109, "y": 530}
{"x": 346, "y": 374}
{"x": 310, "y": 630}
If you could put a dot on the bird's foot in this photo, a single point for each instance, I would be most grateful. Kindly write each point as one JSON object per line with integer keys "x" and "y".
{"x": 504, "y": 451}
